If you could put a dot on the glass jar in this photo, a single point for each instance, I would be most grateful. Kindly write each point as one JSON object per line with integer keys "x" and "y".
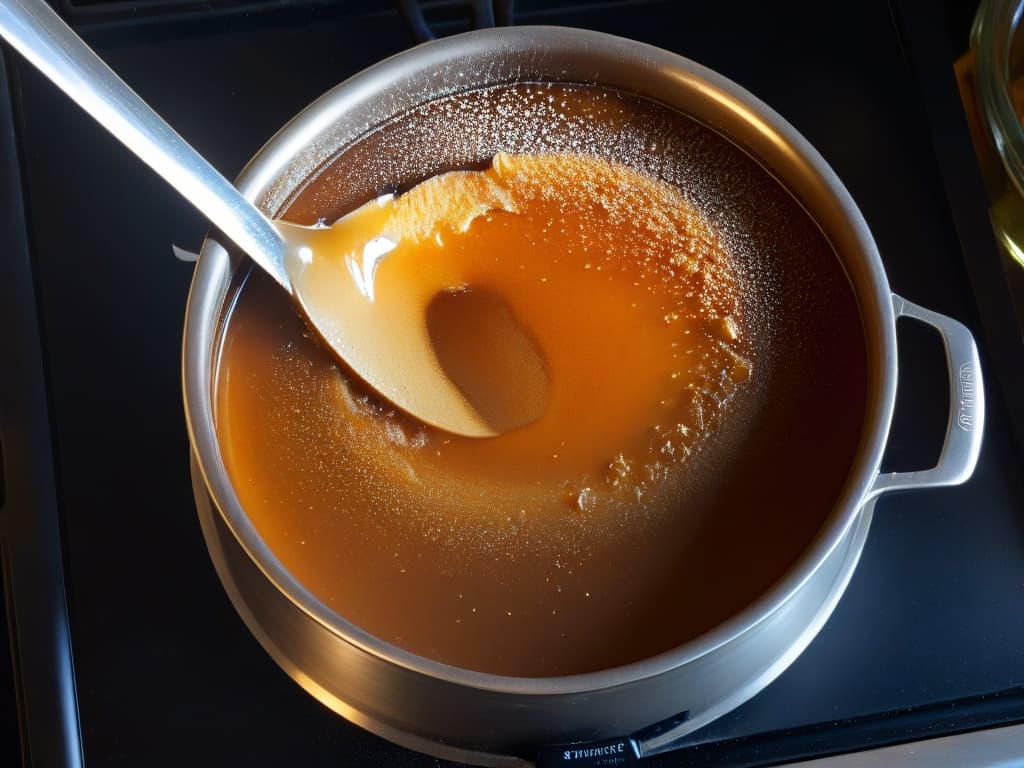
{"x": 991, "y": 78}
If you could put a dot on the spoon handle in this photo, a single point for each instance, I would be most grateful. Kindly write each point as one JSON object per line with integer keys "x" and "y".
{"x": 38, "y": 34}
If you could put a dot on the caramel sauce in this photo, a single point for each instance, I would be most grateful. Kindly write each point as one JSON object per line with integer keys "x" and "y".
{"x": 680, "y": 464}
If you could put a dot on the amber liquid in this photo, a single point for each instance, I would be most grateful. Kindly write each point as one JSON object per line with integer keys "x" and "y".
{"x": 707, "y": 378}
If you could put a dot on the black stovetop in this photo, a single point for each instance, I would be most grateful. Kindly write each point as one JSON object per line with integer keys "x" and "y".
{"x": 150, "y": 665}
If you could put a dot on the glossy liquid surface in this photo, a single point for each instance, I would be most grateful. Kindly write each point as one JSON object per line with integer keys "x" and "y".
{"x": 707, "y": 390}
{"x": 591, "y": 259}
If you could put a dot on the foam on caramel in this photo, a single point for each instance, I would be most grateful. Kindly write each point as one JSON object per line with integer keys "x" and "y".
{"x": 627, "y": 290}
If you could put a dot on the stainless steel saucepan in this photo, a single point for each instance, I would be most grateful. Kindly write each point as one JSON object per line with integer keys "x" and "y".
{"x": 488, "y": 719}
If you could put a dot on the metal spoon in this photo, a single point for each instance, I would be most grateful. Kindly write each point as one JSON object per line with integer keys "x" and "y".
{"x": 397, "y": 361}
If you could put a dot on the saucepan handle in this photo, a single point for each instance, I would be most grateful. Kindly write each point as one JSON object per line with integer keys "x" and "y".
{"x": 966, "y": 407}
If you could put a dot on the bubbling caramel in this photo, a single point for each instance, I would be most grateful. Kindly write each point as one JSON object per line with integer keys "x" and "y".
{"x": 644, "y": 506}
